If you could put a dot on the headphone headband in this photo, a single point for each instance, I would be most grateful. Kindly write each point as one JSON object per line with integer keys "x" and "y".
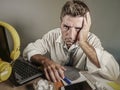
{"x": 16, "y": 40}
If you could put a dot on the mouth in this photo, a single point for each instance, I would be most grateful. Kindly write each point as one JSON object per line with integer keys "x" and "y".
{"x": 69, "y": 42}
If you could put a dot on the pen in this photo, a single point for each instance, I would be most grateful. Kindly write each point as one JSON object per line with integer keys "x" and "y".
{"x": 68, "y": 81}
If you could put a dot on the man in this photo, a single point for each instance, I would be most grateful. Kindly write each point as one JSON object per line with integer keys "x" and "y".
{"x": 72, "y": 44}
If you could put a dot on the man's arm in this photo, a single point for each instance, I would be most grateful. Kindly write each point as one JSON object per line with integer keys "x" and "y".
{"x": 90, "y": 52}
{"x": 53, "y": 71}
{"x": 108, "y": 67}
{"x": 35, "y": 52}
{"x": 82, "y": 37}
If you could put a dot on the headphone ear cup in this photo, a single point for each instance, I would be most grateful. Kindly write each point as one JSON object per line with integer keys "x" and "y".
{"x": 5, "y": 70}
{"x": 14, "y": 54}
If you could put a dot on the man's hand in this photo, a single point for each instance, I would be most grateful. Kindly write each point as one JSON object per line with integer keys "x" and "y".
{"x": 53, "y": 71}
{"x": 83, "y": 34}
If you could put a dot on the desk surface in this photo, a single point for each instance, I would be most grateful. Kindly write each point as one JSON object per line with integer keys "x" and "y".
{"x": 7, "y": 85}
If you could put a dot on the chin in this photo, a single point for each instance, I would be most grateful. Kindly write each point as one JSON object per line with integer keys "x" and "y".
{"x": 69, "y": 45}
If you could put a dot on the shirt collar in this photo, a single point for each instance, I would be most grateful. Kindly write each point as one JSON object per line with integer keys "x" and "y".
{"x": 60, "y": 40}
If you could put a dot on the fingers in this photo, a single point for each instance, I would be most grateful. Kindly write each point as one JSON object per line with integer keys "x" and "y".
{"x": 46, "y": 74}
{"x": 86, "y": 22}
{"x": 82, "y": 37}
{"x": 54, "y": 73}
{"x": 63, "y": 68}
{"x": 61, "y": 71}
{"x": 88, "y": 19}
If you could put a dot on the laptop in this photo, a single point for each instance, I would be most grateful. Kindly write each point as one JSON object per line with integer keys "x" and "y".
{"x": 22, "y": 70}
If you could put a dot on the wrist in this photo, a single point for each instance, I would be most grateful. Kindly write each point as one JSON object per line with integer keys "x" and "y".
{"x": 43, "y": 61}
{"x": 82, "y": 43}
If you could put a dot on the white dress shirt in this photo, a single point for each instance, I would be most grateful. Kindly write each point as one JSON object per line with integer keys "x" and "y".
{"x": 53, "y": 44}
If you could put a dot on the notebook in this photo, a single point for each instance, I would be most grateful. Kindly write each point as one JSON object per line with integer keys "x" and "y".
{"x": 78, "y": 79}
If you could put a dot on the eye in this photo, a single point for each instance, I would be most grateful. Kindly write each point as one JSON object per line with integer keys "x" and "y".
{"x": 78, "y": 29}
{"x": 66, "y": 27}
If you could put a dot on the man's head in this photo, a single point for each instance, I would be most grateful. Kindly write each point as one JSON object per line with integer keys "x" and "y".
{"x": 72, "y": 20}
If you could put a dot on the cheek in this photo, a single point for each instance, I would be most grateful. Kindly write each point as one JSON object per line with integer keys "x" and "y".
{"x": 64, "y": 35}
{"x": 73, "y": 35}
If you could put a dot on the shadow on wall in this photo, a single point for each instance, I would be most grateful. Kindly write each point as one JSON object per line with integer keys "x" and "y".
{"x": 115, "y": 53}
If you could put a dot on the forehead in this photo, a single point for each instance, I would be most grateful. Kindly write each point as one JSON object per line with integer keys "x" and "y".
{"x": 72, "y": 21}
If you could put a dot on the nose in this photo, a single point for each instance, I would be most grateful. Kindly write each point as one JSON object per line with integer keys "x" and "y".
{"x": 72, "y": 33}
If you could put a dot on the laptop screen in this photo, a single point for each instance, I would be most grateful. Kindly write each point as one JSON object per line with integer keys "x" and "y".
{"x": 4, "y": 47}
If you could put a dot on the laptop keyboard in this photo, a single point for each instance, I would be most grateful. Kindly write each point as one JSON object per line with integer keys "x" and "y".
{"x": 23, "y": 72}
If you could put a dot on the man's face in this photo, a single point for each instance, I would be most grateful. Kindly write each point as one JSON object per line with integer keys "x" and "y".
{"x": 70, "y": 28}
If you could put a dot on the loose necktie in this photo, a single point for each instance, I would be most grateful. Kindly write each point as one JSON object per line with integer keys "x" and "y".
{"x": 71, "y": 55}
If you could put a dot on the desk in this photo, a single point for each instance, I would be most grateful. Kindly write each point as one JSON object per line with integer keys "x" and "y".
{"x": 7, "y": 85}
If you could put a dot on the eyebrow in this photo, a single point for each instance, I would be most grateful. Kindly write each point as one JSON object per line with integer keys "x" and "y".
{"x": 66, "y": 25}
{"x": 78, "y": 28}
{"x": 71, "y": 26}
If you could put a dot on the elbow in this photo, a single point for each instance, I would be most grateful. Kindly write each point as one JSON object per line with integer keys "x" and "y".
{"x": 111, "y": 75}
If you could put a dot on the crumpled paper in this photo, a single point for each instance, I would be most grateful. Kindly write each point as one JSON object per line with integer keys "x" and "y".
{"x": 43, "y": 85}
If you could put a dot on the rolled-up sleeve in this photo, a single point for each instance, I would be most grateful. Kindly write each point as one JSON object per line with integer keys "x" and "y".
{"x": 38, "y": 47}
{"x": 109, "y": 67}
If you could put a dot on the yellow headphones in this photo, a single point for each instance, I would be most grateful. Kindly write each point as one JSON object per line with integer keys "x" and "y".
{"x": 5, "y": 67}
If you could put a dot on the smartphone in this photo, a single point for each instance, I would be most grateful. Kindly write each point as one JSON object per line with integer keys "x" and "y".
{"x": 77, "y": 86}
